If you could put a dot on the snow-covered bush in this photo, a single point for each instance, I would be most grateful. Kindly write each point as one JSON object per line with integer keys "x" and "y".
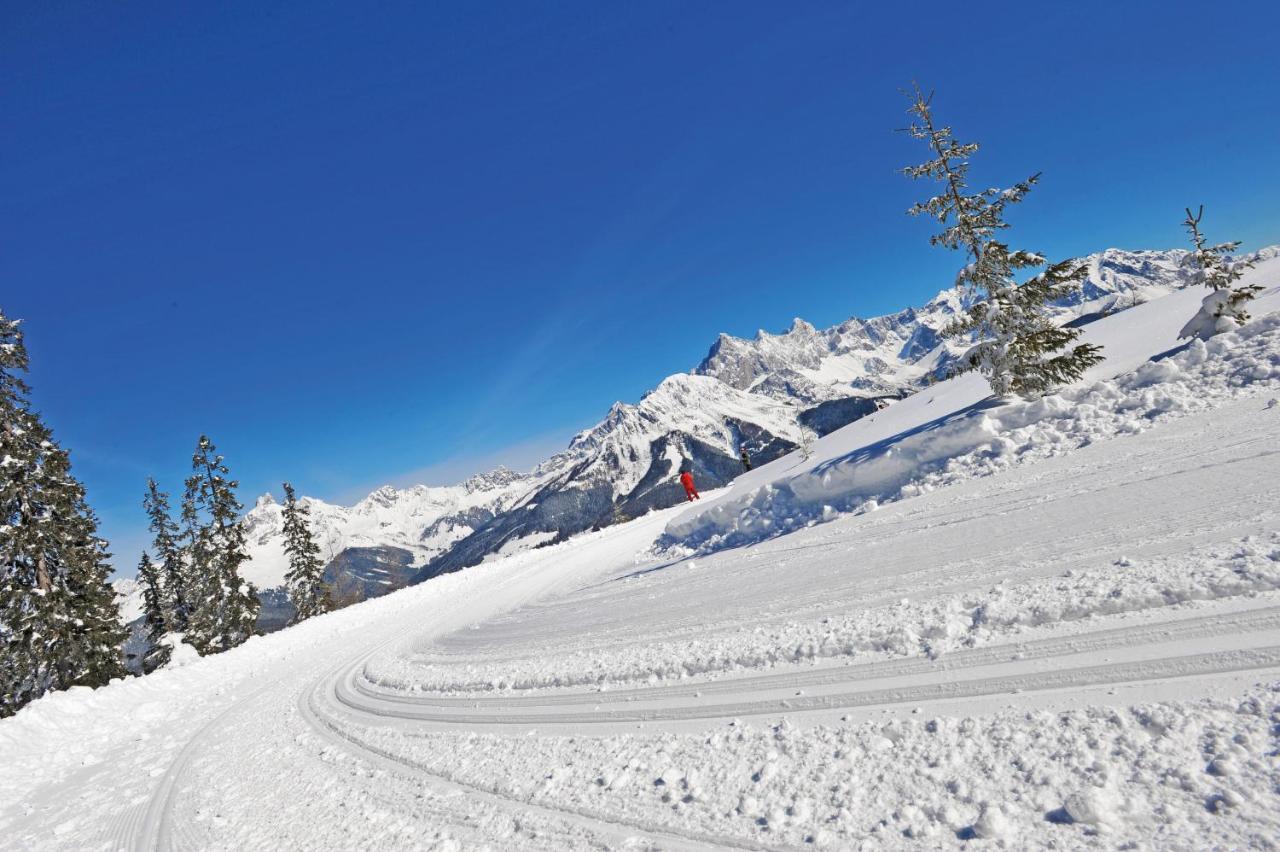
{"x": 1224, "y": 308}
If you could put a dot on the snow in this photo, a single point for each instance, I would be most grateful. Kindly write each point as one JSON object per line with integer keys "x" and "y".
{"x": 958, "y": 431}
{"x": 180, "y": 653}
{"x": 755, "y": 378}
{"x": 1059, "y": 628}
{"x": 884, "y": 355}
{"x": 414, "y": 519}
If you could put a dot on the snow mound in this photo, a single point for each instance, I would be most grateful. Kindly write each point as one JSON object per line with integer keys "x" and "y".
{"x": 180, "y": 653}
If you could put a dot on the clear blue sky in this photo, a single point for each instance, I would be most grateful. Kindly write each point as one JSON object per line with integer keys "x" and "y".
{"x": 359, "y": 243}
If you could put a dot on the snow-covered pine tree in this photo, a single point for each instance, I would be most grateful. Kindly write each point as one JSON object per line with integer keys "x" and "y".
{"x": 172, "y": 572}
{"x": 1223, "y": 309}
{"x": 153, "y": 610}
{"x": 224, "y": 606}
{"x": 308, "y": 592}
{"x": 59, "y": 623}
{"x": 1016, "y": 344}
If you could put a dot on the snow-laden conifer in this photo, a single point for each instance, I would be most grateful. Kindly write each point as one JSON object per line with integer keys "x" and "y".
{"x": 153, "y": 613}
{"x": 1016, "y": 345}
{"x": 308, "y": 592}
{"x": 224, "y": 606}
{"x": 168, "y": 550}
{"x": 1224, "y": 308}
{"x": 59, "y": 622}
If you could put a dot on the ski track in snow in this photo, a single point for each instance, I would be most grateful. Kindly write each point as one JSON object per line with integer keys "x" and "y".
{"x": 1079, "y": 649}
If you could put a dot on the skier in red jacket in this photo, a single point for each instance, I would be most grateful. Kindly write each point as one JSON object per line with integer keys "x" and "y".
{"x": 690, "y": 491}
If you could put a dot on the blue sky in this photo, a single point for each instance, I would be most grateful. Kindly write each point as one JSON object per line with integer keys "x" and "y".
{"x": 365, "y": 243}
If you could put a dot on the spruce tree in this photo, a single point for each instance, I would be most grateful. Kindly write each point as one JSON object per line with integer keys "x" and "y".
{"x": 1223, "y": 309}
{"x": 171, "y": 570}
{"x": 153, "y": 604}
{"x": 1016, "y": 344}
{"x": 224, "y": 606}
{"x": 308, "y": 592}
{"x": 59, "y": 622}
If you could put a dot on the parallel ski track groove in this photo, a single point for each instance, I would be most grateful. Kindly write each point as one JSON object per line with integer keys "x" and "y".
{"x": 1191, "y": 628}
{"x": 1220, "y": 662}
{"x": 328, "y": 727}
{"x": 156, "y": 829}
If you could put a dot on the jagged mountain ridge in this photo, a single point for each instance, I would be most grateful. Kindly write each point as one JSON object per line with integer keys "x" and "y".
{"x": 888, "y": 354}
{"x": 746, "y": 392}
{"x": 421, "y": 521}
{"x": 626, "y": 464}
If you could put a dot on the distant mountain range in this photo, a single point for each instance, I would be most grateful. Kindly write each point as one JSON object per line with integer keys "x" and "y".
{"x": 747, "y": 393}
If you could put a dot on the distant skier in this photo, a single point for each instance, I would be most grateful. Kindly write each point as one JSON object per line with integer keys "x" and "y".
{"x": 690, "y": 490}
{"x": 746, "y": 460}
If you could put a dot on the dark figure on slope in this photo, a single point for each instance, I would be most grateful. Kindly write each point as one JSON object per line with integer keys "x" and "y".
{"x": 690, "y": 491}
{"x": 746, "y": 460}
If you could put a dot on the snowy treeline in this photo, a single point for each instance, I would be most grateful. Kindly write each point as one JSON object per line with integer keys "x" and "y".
{"x": 59, "y": 621}
{"x": 59, "y": 626}
{"x": 197, "y": 594}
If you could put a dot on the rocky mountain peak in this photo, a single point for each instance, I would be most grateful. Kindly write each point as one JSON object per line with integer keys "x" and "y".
{"x": 500, "y": 477}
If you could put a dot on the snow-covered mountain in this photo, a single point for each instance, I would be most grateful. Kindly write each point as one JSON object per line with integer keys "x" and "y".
{"x": 748, "y": 393}
{"x": 887, "y": 355}
{"x": 626, "y": 465}
{"x": 623, "y": 466}
{"x": 399, "y": 526}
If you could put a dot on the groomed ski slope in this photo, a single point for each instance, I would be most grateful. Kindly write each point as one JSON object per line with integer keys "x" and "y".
{"x": 1054, "y": 625}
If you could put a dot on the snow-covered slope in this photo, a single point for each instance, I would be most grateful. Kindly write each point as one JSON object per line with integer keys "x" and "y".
{"x": 745, "y": 393}
{"x": 956, "y": 429}
{"x": 819, "y": 378}
{"x": 1065, "y": 635}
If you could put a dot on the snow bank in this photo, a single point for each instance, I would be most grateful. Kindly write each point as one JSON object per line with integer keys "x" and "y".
{"x": 987, "y": 438}
{"x": 930, "y": 627}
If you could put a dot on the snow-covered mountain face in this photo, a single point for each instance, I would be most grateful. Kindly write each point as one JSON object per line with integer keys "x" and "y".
{"x": 627, "y": 464}
{"x": 747, "y": 393}
{"x": 418, "y": 523}
{"x": 624, "y": 466}
{"x": 895, "y": 353}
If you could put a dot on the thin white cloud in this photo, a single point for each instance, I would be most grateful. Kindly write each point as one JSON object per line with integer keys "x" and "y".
{"x": 520, "y": 456}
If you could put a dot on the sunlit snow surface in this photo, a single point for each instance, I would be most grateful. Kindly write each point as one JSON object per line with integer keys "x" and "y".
{"x": 1059, "y": 627}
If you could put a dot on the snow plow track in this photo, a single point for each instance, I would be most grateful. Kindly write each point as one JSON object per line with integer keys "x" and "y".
{"x": 998, "y": 669}
{"x": 356, "y": 691}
